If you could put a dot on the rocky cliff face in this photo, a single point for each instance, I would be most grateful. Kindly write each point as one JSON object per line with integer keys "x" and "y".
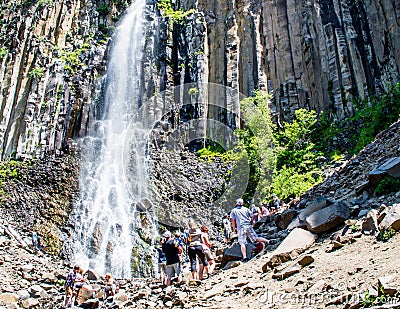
{"x": 314, "y": 54}
{"x": 51, "y": 60}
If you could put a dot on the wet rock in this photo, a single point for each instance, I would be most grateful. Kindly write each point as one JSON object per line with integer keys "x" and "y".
{"x": 92, "y": 275}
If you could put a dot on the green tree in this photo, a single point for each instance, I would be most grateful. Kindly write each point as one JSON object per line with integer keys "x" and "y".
{"x": 258, "y": 141}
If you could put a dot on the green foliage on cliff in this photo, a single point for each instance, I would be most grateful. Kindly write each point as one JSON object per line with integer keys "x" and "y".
{"x": 387, "y": 185}
{"x": 3, "y": 52}
{"x": 103, "y": 9}
{"x": 176, "y": 16}
{"x": 371, "y": 116}
{"x": 374, "y": 116}
{"x": 258, "y": 141}
{"x": 36, "y": 73}
{"x": 299, "y": 163}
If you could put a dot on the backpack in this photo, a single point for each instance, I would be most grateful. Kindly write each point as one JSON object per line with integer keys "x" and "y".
{"x": 70, "y": 280}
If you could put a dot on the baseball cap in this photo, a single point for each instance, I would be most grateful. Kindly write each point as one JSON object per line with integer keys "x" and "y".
{"x": 167, "y": 234}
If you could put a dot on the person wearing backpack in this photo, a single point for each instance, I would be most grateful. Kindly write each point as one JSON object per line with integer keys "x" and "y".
{"x": 171, "y": 251}
{"x": 70, "y": 285}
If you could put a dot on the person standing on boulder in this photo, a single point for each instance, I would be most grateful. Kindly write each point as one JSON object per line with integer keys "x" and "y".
{"x": 242, "y": 218}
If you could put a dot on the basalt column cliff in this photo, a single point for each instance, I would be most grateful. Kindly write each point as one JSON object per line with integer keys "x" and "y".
{"x": 314, "y": 54}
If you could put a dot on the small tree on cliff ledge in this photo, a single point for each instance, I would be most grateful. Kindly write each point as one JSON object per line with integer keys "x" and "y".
{"x": 259, "y": 143}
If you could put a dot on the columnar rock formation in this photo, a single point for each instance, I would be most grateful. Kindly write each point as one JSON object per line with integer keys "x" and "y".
{"x": 318, "y": 54}
{"x": 51, "y": 60}
{"x": 314, "y": 54}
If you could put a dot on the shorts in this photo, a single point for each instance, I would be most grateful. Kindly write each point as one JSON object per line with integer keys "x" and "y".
{"x": 173, "y": 270}
{"x": 209, "y": 255}
{"x": 244, "y": 232}
{"x": 162, "y": 268}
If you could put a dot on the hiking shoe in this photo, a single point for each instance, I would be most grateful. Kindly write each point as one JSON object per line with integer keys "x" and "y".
{"x": 245, "y": 260}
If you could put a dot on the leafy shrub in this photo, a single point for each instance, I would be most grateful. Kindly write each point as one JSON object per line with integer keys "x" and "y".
{"x": 387, "y": 185}
{"x": 289, "y": 183}
{"x": 103, "y": 9}
{"x": 177, "y": 16}
{"x": 258, "y": 141}
{"x": 36, "y": 73}
{"x": 386, "y": 234}
{"x": 3, "y": 52}
{"x": 45, "y": 2}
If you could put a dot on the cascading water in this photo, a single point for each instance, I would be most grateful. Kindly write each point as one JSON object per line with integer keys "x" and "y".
{"x": 104, "y": 217}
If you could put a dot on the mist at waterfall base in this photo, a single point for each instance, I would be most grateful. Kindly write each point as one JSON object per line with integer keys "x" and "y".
{"x": 104, "y": 217}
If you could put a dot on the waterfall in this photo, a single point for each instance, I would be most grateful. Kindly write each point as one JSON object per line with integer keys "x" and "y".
{"x": 104, "y": 216}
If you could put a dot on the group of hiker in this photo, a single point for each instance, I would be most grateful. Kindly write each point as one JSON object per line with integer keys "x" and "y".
{"x": 76, "y": 281}
{"x": 194, "y": 245}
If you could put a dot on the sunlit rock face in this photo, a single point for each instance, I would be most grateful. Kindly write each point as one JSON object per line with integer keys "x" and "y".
{"x": 314, "y": 54}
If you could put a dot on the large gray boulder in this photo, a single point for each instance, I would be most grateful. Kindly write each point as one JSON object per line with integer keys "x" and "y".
{"x": 283, "y": 219}
{"x": 391, "y": 167}
{"x": 296, "y": 242}
{"x": 328, "y": 218}
{"x": 234, "y": 253}
{"x": 313, "y": 206}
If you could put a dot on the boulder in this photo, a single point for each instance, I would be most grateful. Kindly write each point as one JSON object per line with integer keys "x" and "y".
{"x": 231, "y": 264}
{"x": 390, "y": 284}
{"x": 261, "y": 222}
{"x": 49, "y": 278}
{"x": 328, "y": 218}
{"x": 392, "y": 218}
{"x": 296, "y": 223}
{"x": 8, "y": 298}
{"x": 298, "y": 239}
{"x": 92, "y": 304}
{"x": 30, "y": 303}
{"x": 317, "y": 288}
{"x": 296, "y": 242}
{"x": 391, "y": 167}
{"x": 286, "y": 272}
{"x": 313, "y": 206}
{"x": 234, "y": 253}
{"x": 283, "y": 219}
{"x": 92, "y": 275}
{"x": 35, "y": 291}
{"x": 23, "y": 294}
{"x": 370, "y": 223}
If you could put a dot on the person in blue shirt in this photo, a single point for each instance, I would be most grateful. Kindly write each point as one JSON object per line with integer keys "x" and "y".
{"x": 242, "y": 219}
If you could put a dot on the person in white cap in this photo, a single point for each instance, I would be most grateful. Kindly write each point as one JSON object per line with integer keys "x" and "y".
{"x": 242, "y": 219}
{"x": 170, "y": 249}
